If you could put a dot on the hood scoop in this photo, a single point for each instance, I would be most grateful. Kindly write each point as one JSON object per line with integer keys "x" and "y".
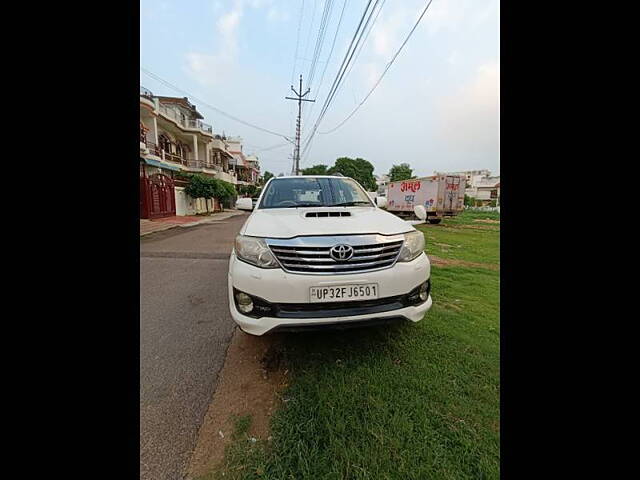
{"x": 328, "y": 214}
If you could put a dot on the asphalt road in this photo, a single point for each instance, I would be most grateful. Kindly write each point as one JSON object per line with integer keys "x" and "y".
{"x": 185, "y": 328}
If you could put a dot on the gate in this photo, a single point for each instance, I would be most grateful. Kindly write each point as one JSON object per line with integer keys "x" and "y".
{"x": 157, "y": 196}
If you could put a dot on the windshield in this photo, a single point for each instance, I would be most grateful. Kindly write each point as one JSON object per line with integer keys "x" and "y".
{"x": 314, "y": 192}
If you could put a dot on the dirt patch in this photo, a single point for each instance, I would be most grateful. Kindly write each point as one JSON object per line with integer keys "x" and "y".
{"x": 447, "y": 262}
{"x": 248, "y": 384}
{"x": 473, "y": 227}
{"x": 486, "y": 220}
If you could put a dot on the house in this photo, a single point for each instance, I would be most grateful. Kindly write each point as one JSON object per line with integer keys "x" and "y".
{"x": 480, "y": 185}
{"x": 468, "y": 174}
{"x": 246, "y": 168}
{"x": 173, "y": 138}
{"x": 485, "y": 190}
{"x": 254, "y": 167}
{"x": 382, "y": 181}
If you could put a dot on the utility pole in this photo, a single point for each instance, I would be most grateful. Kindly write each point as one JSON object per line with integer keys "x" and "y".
{"x": 293, "y": 165}
{"x": 300, "y": 98}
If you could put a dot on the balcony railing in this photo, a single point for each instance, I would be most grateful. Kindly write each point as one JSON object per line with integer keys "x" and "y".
{"x": 175, "y": 158}
{"x": 145, "y": 92}
{"x": 189, "y": 163}
{"x": 183, "y": 121}
{"x": 200, "y": 125}
{"x": 172, "y": 114}
{"x": 152, "y": 147}
{"x": 210, "y": 165}
{"x": 193, "y": 163}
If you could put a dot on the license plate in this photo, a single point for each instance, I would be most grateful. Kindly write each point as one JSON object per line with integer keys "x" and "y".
{"x": 343, "y": 293}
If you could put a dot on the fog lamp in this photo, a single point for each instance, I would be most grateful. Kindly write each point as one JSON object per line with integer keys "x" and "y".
{"x": 244, "y": 302}
{"x": 424, "y": 291}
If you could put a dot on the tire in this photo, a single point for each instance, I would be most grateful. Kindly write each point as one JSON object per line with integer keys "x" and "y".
{"x": 435, "y": 221}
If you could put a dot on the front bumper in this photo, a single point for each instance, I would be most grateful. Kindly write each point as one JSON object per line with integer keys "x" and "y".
{"x": 277, "y": 286}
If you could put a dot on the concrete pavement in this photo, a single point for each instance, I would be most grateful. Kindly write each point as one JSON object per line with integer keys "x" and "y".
{"x": 185, "y": 329}
{"x": 166, "y": 223}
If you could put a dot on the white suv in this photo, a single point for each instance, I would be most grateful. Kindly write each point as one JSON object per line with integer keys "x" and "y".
{"x": 316, "y": 251}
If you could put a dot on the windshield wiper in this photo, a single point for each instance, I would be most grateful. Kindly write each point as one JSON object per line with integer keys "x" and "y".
{"x": 350, "y": 204}
{"x": 303, "y": 205}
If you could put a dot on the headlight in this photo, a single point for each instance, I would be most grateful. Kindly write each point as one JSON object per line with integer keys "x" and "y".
{"x": 412, "y": 247}
{"x": 255, "y": 251}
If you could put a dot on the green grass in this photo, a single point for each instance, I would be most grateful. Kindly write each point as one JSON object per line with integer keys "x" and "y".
{"x": 413, "y": 401}
{"x": 461, "y": 238}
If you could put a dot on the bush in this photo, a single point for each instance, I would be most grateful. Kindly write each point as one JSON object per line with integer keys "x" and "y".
{"x": 208, "y": 188}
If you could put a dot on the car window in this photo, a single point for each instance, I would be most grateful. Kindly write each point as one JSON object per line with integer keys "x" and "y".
{"x": 310, "y": 192}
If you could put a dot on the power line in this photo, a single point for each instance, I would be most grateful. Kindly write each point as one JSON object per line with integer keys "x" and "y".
{"x": 341, "y": 71}
{"x": 295, "y": 55}
{"x": 200, "y": 101}
{"x": 273, "y": 147}
{"x": 322, "y": 30}
{"x": 383, "y": 73}
{"x": 355, "y": 60}
{"x": 313, "y": 17}
{"x": 324, "y": 70}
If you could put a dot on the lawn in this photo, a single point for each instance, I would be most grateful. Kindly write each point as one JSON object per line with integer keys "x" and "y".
{"x": 414, "y": 401}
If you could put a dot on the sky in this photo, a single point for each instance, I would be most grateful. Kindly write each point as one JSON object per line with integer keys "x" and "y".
{"x": 437, "y": 108}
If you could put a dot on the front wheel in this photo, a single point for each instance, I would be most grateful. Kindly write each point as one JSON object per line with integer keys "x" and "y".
{"x": 435, "y": 221}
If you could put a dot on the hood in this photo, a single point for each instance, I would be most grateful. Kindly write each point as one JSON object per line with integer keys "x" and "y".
{"x": 293, "y": 222}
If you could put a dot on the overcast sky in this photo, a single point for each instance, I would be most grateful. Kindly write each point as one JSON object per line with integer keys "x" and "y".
{"x": 437, "y": 108}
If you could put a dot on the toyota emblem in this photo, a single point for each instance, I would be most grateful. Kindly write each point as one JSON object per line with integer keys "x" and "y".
{"x": 341, "y": 253}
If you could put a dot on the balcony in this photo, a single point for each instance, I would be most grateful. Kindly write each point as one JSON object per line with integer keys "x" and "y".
{"x": 172, "y": 114}
{"x": 146, "y": 98}
{"x": 175, "y": 158}
{"x": 152, "y": 147}
{"x": 185, "y": 122}
{"x": 212, "y": 166}
{"x": 200, "y": 125}
{"x": 145, "y": 92}
{"x": 219, "y": 144}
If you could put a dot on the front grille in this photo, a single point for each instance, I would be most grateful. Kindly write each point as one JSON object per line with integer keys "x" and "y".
{"x": 300, "y": 258}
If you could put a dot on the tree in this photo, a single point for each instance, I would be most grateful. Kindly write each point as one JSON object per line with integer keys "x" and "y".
{"x": 400, "y": 172}
{"x": 208, "y": 188}
{"x": 359, "y": 169}
{"x": 224, "y": 191}
{"x": 200, "y": 187}
{"x": 267, "y": 175}
{"x": 469, "y": 201}
{"x": 315, "y": 170}
{"x": 249, "y": 190}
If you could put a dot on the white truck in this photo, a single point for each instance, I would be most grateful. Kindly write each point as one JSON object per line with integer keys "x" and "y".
{"x": 441, "y": 196}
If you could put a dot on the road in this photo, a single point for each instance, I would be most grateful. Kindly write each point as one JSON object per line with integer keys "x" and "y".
{"x": 185, "y": 328}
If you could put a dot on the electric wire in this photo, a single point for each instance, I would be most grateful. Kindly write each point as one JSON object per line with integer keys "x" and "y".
{"x": 383, "y": 73}
{"x": 357, "y": 36}
{"x": 202, "y": 102}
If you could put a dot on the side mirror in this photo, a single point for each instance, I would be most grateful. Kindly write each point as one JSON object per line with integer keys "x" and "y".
{"x": 245, "y": 203}
{"x": 420, "y": 212}
{"x": 381, "y": 202}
